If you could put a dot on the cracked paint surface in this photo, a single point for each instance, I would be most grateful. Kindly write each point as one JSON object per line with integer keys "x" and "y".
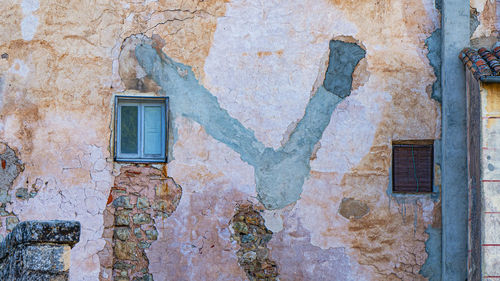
{"x": 263, "y": 63}
{"x": 280, "y": 173}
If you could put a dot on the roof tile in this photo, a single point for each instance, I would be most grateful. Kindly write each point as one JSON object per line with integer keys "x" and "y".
{"x": 482, "y": 62}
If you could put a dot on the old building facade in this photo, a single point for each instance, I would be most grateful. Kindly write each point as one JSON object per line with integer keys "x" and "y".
{"x": 278, "y": 122}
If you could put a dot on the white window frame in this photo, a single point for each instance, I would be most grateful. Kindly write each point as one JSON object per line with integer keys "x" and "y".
{"x": 140, "y": 102}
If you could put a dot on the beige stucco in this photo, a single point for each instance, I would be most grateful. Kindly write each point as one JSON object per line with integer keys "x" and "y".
{"x": 262, "y": 60}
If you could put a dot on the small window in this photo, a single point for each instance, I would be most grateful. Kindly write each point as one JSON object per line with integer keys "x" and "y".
{"x": 141, "y": 129}
{"x": 412, "y": 166}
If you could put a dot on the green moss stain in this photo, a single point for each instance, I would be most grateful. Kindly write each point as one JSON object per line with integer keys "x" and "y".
{"x": 280, "y": 173}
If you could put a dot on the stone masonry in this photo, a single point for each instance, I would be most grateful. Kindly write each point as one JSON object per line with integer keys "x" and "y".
{"x": 140, "y": 197}
{"x": 252, "y": 236}
{"x": 38, "y": 250}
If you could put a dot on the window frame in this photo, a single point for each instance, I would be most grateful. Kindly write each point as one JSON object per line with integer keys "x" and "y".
{"x": 140, "y": 102}
{"x": 417, "y": 143}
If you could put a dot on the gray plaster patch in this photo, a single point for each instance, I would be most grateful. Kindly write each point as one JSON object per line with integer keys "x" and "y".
{"x": 433, "y": 44}
{"x": 280, "y": 173}
{"x": 338, "y": 77}
{"x": 351, "y": 208}
{"x": 10, "y": 167}
{"x": 432, "y": 266}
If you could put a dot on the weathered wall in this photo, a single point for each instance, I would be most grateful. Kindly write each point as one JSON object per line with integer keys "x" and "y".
{"x": 484, "y": 26}
{"x": 313, "y": 147}
{"x": 474, "y": 176}
{"x": 489, "y": 180}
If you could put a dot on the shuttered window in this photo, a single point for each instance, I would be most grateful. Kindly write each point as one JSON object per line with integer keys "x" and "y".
{"x": 412, "y": 167}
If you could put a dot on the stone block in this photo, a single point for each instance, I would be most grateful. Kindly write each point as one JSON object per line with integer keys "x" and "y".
{"x": 38, "y": 250}
{"x": 22, "y": 193}
{"x": 142, "y": 203}
{"x": 152, "y": 234}
{"x": 353, "y": 209}
{"x": 122, "y": 233}
{"x": 141, "y": 218}
{"x": 125, "y": 250}
{"x": 146, "y": 277}
{"x": 46, "y": 258}
{"x": 122, "y": 265}
{"x": 122, "y": 218}
{"x": 138, "y": 232}
{"x": 144, "y": 245}
{"x": 4, "y": 196}
{"x": 59, "y": 232}
{"x": 122, "y": 201}
{"x": 11, "y": 222}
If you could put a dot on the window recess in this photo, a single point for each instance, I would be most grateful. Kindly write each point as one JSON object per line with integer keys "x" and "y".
{"x": 412, "y": 166}
{"x": 141, "y": 129}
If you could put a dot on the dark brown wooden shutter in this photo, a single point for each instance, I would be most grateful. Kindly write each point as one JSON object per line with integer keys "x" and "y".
{"x": 412, "y": 168}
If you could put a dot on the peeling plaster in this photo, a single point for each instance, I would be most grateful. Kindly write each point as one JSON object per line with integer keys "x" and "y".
{"x": 432, "y": 267}
{"x": 84, "y": 41}
{"x": 10, "y": 167}
{"x": 273, "y": 220}
{"x": 433, "y": 44}
{"x": 279, "y": 173}
{"x": 474, "y": 20}
{"x": 20, "y": 68}
{"x": 314, "y": 263}
{"x": 272, "y": 54}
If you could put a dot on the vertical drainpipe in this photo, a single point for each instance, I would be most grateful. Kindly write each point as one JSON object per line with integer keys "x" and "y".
{"x": 455, "y": 36}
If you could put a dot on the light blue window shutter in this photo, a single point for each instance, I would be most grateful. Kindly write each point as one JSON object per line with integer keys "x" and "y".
{"x": 152, "y": 130}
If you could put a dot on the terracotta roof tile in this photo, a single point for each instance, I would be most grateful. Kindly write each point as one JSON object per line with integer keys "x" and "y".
{"x": 491, "y": 59}
{"x": 483, "y": 62}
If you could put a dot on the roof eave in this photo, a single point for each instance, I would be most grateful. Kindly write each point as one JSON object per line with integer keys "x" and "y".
{"x": 490, "y": 79}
